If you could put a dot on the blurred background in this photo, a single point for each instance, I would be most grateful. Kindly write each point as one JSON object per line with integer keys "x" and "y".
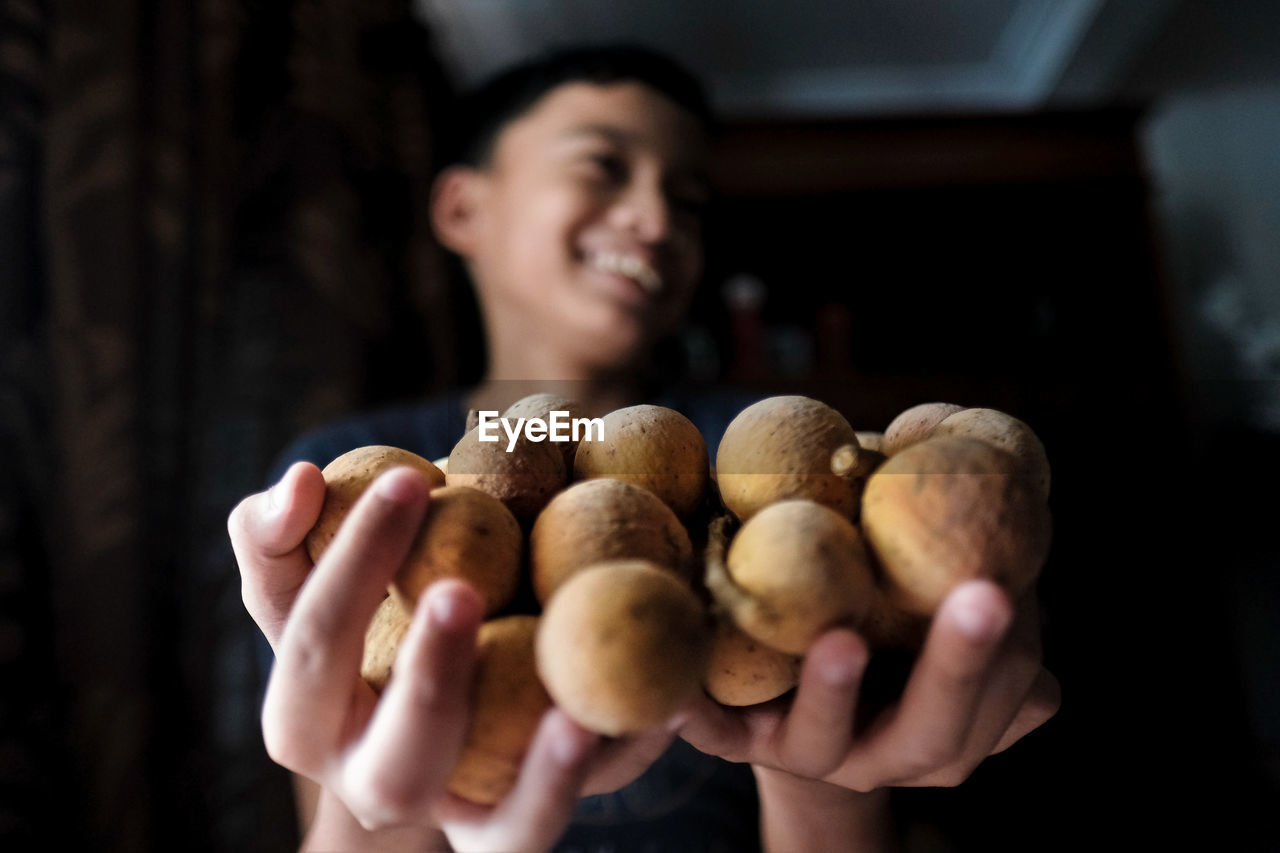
{"x": 213, "y": 235}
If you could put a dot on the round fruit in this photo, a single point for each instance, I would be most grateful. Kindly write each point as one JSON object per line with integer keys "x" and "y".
{"x": 780, "y": 448}
{"x": 949, "y": 509}
{"x": 1005, "y": 432}
{"x": 466, "y": 534}
{"x": 622, "y": 646}
{"x": 650, "y": 446}
{"x": 347, "y": 477}
{"x": 523, "y": 477}
{"x": 508, "y": 702}
{"x": 741, "y": 670}
{"x": 794, "y": 570}
{"x": 913, "y": 424}
{"x": 604, "y": 519}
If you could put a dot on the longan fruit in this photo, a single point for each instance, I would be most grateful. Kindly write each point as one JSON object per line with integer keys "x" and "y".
{"x": 654, "y": 447}
{"x": 622, "y": 645}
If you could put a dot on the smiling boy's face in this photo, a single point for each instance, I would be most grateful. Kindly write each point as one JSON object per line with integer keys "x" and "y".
{"x": 583, "y": 232}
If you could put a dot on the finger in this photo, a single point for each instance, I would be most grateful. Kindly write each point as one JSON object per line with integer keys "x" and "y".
{"x": 1042, "y": 703}
{"x": 1005, "y": 695}
{"x": 620, "y": 761}
{"x": 928, "y": 729}
{"x": 543, "y": 800}
{"x": 267, "y": 531}
{"x": 413, "y": 740}
{"x": 534, "y": 815}
{"x": 318, "y": 659}
{"x": 718, "y": 730}
{"x": 1010, "y": 684}
{"x": 818, "y": 731}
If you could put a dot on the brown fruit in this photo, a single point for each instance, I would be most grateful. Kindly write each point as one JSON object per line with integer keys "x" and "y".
{"x": 524, "y": 478}
{"x": 794, "y": 570}
{"x": 622, "y": 646}
{"x": 741, "y": 670}
{"x": 382, "y": 642}
{"x": 913, "y": 424}
{"x": 347, "y": 477}
{"x": 541, "y": 405}
{"x": 650, "y": 446}
{"x": 466, "y": 534}
{"x": 1005, "y": 432}
{"x": 780, "y": 448}
{"x": 949, "y": 509}
{"x": 604, "y": 519}
{"x": 888, "y": 626}
{"x": 508, "y": 702}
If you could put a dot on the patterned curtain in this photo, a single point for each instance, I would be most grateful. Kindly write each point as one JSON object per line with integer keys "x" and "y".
{"x": 211, "y": 237}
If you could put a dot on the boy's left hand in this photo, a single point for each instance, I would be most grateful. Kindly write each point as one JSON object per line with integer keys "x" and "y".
{"x": 976, "y": 688}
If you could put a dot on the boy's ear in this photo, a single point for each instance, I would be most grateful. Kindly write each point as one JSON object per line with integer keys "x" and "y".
{"x": 455, "y": 200}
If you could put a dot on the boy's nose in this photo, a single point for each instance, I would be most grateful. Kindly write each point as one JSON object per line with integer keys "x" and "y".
{"x": 645, "y": 212}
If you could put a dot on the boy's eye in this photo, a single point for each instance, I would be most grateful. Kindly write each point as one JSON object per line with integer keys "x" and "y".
{"x": 690, "y": 203}
{"x": 609, "y": 166}
{"x": 690, "y": 198}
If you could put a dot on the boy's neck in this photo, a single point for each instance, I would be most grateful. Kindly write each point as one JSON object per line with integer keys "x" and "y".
{"x": 595, "y": 396}
{"x": 555, "y": 369}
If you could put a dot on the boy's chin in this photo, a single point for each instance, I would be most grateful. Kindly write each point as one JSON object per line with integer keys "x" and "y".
{"x": 620, "y": 353}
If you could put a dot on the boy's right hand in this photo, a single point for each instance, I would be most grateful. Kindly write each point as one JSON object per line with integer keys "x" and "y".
{"x": 387, "y": 759}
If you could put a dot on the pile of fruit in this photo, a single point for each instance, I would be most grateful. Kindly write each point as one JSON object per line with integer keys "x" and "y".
{"x": 624, "y": 573}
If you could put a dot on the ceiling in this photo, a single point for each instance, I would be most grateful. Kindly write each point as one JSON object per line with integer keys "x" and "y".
{"x": 877, "y": 57}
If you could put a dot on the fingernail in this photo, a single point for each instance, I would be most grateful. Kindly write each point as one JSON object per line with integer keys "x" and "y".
{"x": 399, "y": 487}
{"x": 447, "y": 608}
{"x": 442, "y": 607}
{"x": 974, "y": 617}
{"x": 839, "y": 673}
{"x": 273, "y": 499}
{"x": 275, "y": 496}
{"x": 840, "y": 659}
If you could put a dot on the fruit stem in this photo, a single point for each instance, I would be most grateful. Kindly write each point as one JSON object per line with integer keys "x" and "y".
{"x": 726, "y": 595}
{"x": 854, "y": 462}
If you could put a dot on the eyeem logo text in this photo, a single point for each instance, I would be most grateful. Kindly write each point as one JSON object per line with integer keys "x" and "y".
{"x": 557, "y": 426}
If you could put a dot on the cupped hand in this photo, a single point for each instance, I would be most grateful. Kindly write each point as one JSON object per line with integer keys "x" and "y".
{"x": 976, "y": 687}
{"x": 386, "y": 760}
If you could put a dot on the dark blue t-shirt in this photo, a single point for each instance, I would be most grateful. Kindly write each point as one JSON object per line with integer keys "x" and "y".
{"x": 686, "y": 802}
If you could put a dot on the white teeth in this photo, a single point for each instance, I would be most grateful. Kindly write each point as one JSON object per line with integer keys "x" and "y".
{"x": 630, "y": 266}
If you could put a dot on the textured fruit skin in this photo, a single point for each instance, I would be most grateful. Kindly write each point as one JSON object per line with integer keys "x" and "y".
{"x": 1007, "y": 433}
{"x": 949, "y": 509}
{"x": 742, "y": 671}
{"x": 507, "y": 704}
{"x": 347, "y": 477}
{"x": 653, "y": 447}
{"x": 466, "y": 534}
{"x": 382, "y": 640}
{"x": 524, "y": 478}
{"x": 914, "y": 424}
{"x": 622, "y": 646}
{"x": 541, "y": 405}
{"x": 800, "y": 568}
{"x": 780, "y": 448}
{"x": 604, "y": 519}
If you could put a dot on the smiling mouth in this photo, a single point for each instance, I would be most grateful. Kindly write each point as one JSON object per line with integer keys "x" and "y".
{"x": 630, "y": 266}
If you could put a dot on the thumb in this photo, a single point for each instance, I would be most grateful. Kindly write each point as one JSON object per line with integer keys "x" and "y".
{"x": 267, "y": 532}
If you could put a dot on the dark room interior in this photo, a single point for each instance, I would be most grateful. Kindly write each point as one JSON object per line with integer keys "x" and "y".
{"x": 214, "y": 237}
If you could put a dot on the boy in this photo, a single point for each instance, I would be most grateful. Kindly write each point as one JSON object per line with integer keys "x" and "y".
{"x": 576, "y": 209}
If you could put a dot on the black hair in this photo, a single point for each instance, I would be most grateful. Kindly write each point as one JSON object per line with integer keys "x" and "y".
{"x": 483, "y": 113}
